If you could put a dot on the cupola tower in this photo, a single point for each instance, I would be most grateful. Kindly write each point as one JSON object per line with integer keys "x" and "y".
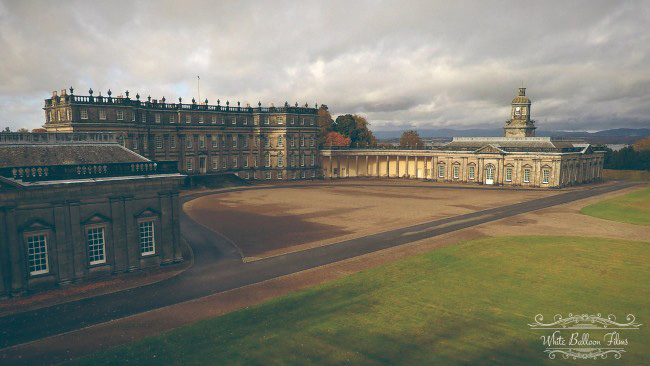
{"x": 520, "y": 124}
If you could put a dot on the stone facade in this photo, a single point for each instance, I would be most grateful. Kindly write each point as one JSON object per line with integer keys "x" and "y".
{"x": 73, "y": 222}
{"x": 252, "y": 142}
{"x": 517, "y": 159}
{"x": 544, "y": 170}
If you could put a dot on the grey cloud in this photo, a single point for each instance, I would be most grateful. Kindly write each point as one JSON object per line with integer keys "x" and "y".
{"x": 402, "y": 64}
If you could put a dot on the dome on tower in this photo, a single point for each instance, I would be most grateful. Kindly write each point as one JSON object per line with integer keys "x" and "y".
{"x": 521, "y": 98}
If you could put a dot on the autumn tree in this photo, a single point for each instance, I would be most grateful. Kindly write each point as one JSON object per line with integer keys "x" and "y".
{"x": 411, "y": 138}
{"x": 336, "y": 139}
{"x": 642, "y": 145}
{"x": 325, "y": 122}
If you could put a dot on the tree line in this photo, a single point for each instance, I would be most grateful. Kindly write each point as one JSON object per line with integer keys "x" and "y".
{"x": 346, "y": 130}
{"x": 635, "y": 157}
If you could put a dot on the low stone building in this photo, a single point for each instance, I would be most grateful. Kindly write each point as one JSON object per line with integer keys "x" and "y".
{"x": 517, "y": 159}
{"x": 75, "y": 207}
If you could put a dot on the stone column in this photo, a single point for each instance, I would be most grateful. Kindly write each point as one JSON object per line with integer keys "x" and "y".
{"x": 426, "y": 171}
{"x": 166, "y": 228}
{"x": 387, "y": 166}
{"x": 377, "y": 165}
{"x": 78, "y": 242}
{"x": 18, "y": 267}
{"x": 175, "y": 218}
{"x": 416, "y": 167}
{"x": 331, "y": 166}
{"x": 131, "y": 236}
{"x": 397, "y": 166}
{"x": 338, "y": 166}
{"x": 406, "y": 169}
{"x": 434, "y": 168}
{"x": 347, "y": 166}
{"x": 65, "y": 258}
{"x": 367, "y": 173}
{"x": 356, "y": 172}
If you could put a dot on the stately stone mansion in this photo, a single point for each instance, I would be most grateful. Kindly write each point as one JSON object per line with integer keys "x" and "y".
{"x": 281, "y": 143}
{"x": 253, "y": 142}
{"x": 517, "y": 159}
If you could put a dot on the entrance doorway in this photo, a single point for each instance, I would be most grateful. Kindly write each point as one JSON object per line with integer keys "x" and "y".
{"x": 489, "y": 174}
{"x": 202, "y": 164}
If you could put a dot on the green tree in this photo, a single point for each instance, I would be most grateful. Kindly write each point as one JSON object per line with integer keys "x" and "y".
{"x": 364, "y": 136}
{"x": 411, "y": 138}
{"x": 345, "y": 125}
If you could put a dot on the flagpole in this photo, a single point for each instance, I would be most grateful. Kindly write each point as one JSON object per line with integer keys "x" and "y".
{"x": 198, "y": 87}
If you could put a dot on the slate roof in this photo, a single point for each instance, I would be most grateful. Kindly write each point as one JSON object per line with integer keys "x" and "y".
{"x": 504, "y": 142}
{"x": 21, "y": 155}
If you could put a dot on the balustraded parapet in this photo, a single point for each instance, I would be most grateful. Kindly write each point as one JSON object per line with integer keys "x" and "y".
{"x": 85, "y": 171}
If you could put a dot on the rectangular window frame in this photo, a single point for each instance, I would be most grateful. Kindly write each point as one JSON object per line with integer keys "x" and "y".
{"x": 41, "y": 256}
{"x": 147, "y": 237}
{"x": 119, "y": 115}
{"x": 96, "y": 249}
{"x": 83, "y": 113}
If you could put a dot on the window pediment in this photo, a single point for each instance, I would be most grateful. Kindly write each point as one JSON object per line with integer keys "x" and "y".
{"x": 147, "y": 212}
{"x": 37, "y": 225}
{"x": 96, "y": 218}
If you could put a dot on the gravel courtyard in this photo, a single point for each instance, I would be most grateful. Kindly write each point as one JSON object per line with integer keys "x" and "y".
{"x": 266, "y": 222}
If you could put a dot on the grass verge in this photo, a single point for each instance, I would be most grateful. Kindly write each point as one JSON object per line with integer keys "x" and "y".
{"x": 467, "y": 304}
{"x": 632, "y": 208}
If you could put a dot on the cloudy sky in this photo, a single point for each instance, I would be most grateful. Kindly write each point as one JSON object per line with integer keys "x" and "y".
{"x": 402, "y": 64}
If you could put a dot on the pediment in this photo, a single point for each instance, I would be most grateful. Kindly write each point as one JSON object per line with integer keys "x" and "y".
{"x": 489, "y": 149}
{"x": 96, "y": 219}
{"x": 147, "y": 212}
{"x": 36, "y": 225}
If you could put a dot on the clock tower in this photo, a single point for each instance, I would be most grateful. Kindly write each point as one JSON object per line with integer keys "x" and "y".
{"x": 520, "y": 124}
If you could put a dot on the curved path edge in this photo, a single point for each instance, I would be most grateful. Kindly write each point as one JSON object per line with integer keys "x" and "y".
{"x": 218, "y": 267}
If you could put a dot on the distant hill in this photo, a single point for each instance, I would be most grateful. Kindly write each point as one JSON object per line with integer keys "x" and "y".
{"x": 612, "y": 136}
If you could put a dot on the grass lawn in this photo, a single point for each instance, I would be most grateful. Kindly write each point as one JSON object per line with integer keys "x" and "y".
{"x": 465, "y": 304}
{"x": 632, "y": 208}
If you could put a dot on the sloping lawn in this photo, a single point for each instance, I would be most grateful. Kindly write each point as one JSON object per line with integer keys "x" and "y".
{"x": 632, "y": 208}
{"x": 466, "y": 304}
